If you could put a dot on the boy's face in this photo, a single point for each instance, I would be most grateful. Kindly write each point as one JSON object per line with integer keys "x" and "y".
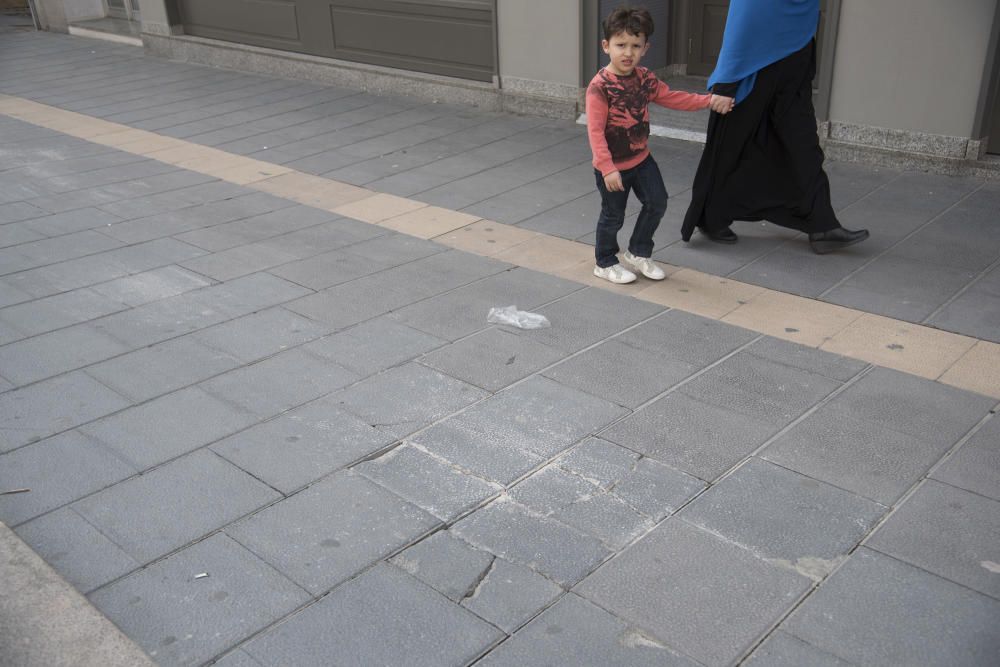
{"x": 625, "y": 51}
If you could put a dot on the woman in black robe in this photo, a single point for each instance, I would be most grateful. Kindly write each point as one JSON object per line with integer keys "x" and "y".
{"x": 762, "y": 161}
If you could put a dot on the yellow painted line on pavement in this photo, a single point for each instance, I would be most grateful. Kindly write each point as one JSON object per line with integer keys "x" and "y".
{"x": 954, "y": 359}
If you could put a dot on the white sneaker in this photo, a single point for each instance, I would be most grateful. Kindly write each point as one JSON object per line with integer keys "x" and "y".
{"x": 615, "y": 273}
{"x": 644, "y": 265}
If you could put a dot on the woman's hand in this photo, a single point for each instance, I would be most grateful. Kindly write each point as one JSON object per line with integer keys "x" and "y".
{"x": 722, "y": 104}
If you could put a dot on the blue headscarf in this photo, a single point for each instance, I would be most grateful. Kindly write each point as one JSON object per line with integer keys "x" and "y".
{"x": 761, "y": 32}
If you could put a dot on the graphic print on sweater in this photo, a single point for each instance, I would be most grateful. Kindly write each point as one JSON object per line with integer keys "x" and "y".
{"x": 627, "y": 99}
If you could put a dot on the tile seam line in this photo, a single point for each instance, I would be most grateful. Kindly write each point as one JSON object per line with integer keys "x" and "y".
{"x": 253, "y": 185}
{"x": 844, "y": 281}
{"x": 800, "y": 235}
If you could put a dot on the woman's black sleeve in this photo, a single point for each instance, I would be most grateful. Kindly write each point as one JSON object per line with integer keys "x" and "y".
{"x": 726, "y": 89}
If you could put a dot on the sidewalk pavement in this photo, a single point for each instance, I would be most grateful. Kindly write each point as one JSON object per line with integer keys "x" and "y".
{"x": 247, "y": 380}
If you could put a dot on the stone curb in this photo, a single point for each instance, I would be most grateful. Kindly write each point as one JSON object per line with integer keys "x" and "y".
{"x": 45, "y": 622}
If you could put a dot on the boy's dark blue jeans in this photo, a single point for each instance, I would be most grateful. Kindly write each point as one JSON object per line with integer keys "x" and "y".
{"x": 647, "y": 183}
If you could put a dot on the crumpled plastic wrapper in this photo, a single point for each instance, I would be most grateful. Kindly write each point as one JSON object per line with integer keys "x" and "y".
{"x": 521, "y": 319}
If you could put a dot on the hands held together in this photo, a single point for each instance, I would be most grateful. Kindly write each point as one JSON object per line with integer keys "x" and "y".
{"x": 722, "y": 104}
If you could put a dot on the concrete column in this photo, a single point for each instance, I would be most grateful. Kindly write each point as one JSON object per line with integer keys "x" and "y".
{"x": 539, "y": 46}
{"x": 912, "y": 66}
{"x": 159, "y": 17}
{"x": 51, "y": 15}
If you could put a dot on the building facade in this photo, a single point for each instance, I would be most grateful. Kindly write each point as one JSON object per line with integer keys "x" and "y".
{"x": 900, "y": 81}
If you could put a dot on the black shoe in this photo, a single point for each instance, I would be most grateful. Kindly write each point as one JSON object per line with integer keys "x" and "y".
{"x": 835, "y": 239}
{"x": 724, "y": 235}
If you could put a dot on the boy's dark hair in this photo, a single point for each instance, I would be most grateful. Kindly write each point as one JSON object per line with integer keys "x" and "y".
{"x": 633, "y": 20}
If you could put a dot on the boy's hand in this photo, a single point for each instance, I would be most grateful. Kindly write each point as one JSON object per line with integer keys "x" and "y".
{"x": 613, "y": 182}
{"x": 722, "y": 104}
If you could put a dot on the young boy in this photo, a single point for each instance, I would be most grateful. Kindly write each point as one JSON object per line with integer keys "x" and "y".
{"x": 618, "y": 100}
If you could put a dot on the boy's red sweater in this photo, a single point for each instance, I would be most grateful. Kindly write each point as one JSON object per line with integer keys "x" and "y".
{"x": 618, "y": 115}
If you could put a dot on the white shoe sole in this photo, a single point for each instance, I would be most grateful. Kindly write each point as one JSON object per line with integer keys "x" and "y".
{"x": 637, "y": 269}
{"x": 597, "y": 272}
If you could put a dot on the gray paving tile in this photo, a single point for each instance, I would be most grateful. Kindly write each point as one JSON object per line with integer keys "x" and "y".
{"x": 76, "y": 550}
{"x": 237, "y": 658}
{"x": 867, "y": 458}
{"x": 793, "y": 268}
{"x": 576, "y": 632}
{"x": 165, "y": 508}
{"x": 621, "y": 373}
{"x": 183, "y": 620}
{"x": 58, "y": 249}
{"x": 391, "y": 619}
{"x": 62, "y": 310}
{"x": 18, "y": 211}
{"x": 757, "y": 240}
{"x": 239, "y": 261}
{"x": 261, "y": 334}
{"x": 492, "y": 359}
{"x": 785, "y": 518}
{"x": 326, "y": 270}
{"x": 161, "y": 369}
{"x": 166, "y": 427}
{"x": 947, "y": 531}
{"x": 938, "y": 244}
{"x": 900, "y": 288}
{"x": 279, "y": 383}
{"x": 386, "y": 401}
{"x": 447, "y": 564}
{"x": 359, "y": 300}
{"x": 53, "y": 406}
{"x": 784, "y": 650}
{"x": 806, "y": 358}
{"x": 694, "y": 592}
{"x": 877, "y": 610}
{"x": 976, "y": 465}
{"x": 152, "y": 285}
{"x": 510, "y": 433}
{"x": 256, "y": 228}
{"x": 428, "y": 482}
{"x": 909, "y": 404}
{"x": 573, "y": 324}
{"x": 645, "y": 484}
{"x": 302, "y": 445}
{"x": 56, "y": 352}
{"x": 974, "y": 313}
{"x": 171, "y": 317}
{"x": 463, "y": 311}
{"x": 761, "y": 389}
{"x": 393, "y": 249}
{"x": 691, "y": 436}
{"x": 511, "y": 531}
{"x": 487, "y": 455}
{"x": 599, "y": 462}
{"x": 533, "y": 199}
{"x": 57, "y": 471}
{"x": 10, "y": 294}
{"x": 339, "y": 526}
{"x": 373, "y": 346}
{"x": 574, "y": 501}
{"x": 570, "y": 220}
{"x": 12, "y": 234}
{"x": 509, "y": 595}
{"x": 333, "y": 235}
{"x": 72, "y": 221}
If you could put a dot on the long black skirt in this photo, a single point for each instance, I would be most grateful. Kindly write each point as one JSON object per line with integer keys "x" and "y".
{"x": 762, "y": 161}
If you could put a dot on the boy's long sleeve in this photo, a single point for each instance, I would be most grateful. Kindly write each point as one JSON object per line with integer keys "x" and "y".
{"x": 597, "y": 119}
{"x": 676, "y": 99}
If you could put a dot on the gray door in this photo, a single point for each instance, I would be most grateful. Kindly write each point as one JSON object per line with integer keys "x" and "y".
{"x": 448, "y": 37}
{"x": 707, "y": 23}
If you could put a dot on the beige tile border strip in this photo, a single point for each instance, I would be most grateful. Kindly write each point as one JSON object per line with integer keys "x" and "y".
{"x": 961, "y": 361}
